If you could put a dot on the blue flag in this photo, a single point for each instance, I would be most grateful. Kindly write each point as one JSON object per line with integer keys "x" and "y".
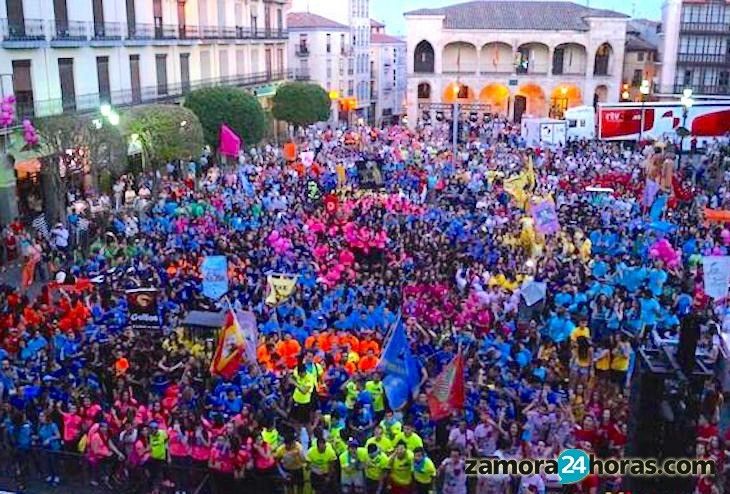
{"x": 402, "y": 372}
{"x": 215, "y": 276}
{"x": 660, "y": 203}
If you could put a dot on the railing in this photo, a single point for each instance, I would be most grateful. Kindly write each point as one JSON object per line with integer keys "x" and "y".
{"x": 302, "y": 51}
{"x": 85, "y": 103}
{"x": 705, "y": 27}
{"x": 704, "y": 90}
{"x": 108, "y": 30}
{"x": 704, "y": 58}
{"x": 301, "y": 74}
{"x": 188, "y": 31}
{"x": 69, "y": 30}
{"x": 27, "y": 30}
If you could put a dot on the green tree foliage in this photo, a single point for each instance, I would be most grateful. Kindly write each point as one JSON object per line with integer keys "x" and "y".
{"x": 301, "y": 103}
{"x": 232, "y": 106}
{"x": 166, "y": 132}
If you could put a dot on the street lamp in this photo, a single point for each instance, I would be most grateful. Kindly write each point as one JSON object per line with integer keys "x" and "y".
{"x": 645, "y": 89}
{"x": 687, "y": 102}
{"x": 455, "y": 119}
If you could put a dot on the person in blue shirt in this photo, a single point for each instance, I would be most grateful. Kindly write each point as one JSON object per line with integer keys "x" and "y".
{"x": 49, "y": 438}
{"x": 20, "y": 436}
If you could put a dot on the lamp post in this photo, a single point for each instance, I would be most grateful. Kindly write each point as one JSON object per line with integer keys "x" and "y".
{"x": 687, "y": 102}
{"x": 645, "y": 89}
{"x": 455, "y": 120}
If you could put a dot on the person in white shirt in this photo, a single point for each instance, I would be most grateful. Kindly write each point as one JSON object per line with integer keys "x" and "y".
{"x": 60, "y": 236}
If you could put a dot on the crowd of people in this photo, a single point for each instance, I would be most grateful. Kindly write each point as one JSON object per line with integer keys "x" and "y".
{"x": 384, "y": 226}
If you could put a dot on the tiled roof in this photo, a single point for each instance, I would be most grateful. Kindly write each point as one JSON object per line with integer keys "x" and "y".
{"x": 517, "y": 15}
{"x": 374, "y": 23}
{"x": 308, "y": 20}
{"x": 380, "y": 38}
{"x": 637, "y": 43}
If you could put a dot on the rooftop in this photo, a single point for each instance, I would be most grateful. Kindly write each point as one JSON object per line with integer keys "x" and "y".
{"x": 637, "y": 43}
{"x": 374, "y": 23}
{"x": 381, "y": 38}
{"x": 518, "y": 15}
{"x": 306, "y": 20}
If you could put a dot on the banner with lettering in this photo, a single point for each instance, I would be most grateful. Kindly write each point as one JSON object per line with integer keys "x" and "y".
{"x": 142, "y": 304}
{"x": 546, "y": 218}
{"x": 215, "y": 276}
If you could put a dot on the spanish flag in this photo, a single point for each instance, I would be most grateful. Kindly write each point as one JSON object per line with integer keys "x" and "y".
{"x": 281, "y": 286}
{"x": 231, "y": 348}
{"x": 448, "y": 390}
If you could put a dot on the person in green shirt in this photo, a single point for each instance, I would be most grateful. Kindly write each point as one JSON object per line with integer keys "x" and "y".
{"x": 158, "y": 450}
{"x": 352, "y": 389}
{"x": 377, "y": 391}
{"x": 383, "y": 443}
{"x": 410, "y": 438}
{"x": 352, "y": 467}
{"x": 375, "y": 469}
{"x": 270, "y": 435}
{"x": 401, "y": 469}
{"x": 391, "y": 426}
{"x": 321, "y": 458}
{"x": 424, "y": 471}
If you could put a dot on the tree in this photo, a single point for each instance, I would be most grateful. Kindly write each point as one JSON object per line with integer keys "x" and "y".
{"x": 165, "y": 132}
{"x": 67, "y": 139}
{"x": 301, "y": 103}
{"x": 232, "y": 106}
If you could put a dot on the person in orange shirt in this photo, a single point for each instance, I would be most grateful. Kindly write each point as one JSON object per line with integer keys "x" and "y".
{"x": 312, "y": 339}
{"x": 351, "y": 340}
{"x": 263, "y": 353}
{"x": 368, "y": 363}
{"x": 327, "y": 340}
{"x": 289, "y": 349}
{"x": 368, "y": 343}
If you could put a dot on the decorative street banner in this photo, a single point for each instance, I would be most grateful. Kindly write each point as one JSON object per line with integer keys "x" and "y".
{"x": 546, "y": 218}
{"x": 142, "y": 303}
{"x": 281, "y": 286}
{"x": 215, "y": 276}
{"x": 249, "y": 328}
{"x": 229, "y": 143}
{"x": 717, "y": 275}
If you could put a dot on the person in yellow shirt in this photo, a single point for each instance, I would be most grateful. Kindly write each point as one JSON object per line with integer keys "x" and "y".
{"x": 401, "y": 470}
{"x": 580, "y": 330}
{"x": 375, "y": 469}
{"x": 383, "y": 443}
{"x": 321, "y": 459}
{"x": 424, "y": 471}
{"x": 581, "y": 364}
{"x": 352, "y": 468}
{"x": 408, "y": 436}
{"x": 602, "y": 358}
{"x": 304, "y": 386}
{"x": 620, "y": 355}
{"x": 377, "y": 390}
{"x": 390, "y": 425}
{"x": 291, "y": 459}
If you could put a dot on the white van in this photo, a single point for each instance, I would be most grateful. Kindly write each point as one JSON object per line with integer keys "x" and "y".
{"x": 581, "y": 122}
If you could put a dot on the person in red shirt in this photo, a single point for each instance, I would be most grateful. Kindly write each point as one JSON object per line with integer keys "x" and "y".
{"x": 705, "y": 429}
{"x": 222, "y": 465}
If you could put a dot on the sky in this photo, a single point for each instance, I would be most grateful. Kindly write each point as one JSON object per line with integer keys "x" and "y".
{"x": 384, "y": 10}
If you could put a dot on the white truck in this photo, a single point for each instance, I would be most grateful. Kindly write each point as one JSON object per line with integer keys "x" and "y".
{"x": 581, "y": 122}
{"x": 544, "y": 131}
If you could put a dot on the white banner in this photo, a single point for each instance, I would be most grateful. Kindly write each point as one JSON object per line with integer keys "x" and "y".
{"x": 717, "y": 275}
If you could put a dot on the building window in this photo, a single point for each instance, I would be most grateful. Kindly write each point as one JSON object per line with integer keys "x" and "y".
{"x": 724, "y": 78}
{"x": 329, "y": 43}
{"x": 640, "y": 56}
{"x": 329, "y": 70}
{"x": 68, "y": 87}
{"x": 22, "y": 87}
{"x": 303, "y": 48}
{"x": 424, "y": 90}
{"x": 102, "y": 73}
{"x": 135, "y": 79}
{"x": 350, "y": 88}
{"x": 342, "y": 44}
{"x": 161, "y": 65}
{"x": 638, "y": 76}
{"x": 280, "y": 61}
{"x": 687, "y": 78}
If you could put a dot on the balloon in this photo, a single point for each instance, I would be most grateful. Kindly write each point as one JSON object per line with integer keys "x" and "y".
{"x": 653, "y": 253}
{"x": 346, "y": 257}
{"x": 274, "y": 236}
{"x": 725, "y": 235}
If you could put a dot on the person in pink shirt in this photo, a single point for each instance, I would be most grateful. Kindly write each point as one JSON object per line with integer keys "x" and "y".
{"x": 264, "y": 463}
{"x": 222, "y": 465}
{"x": 100, "y": 451}
{"x": 71, "y": 428}
{"x": 125, "y": 402}
{"x": 88, "y": 411}
{"x": 199, "y": 441}
{"x": 180, "y": 454}
{"x": 140, "y": 455}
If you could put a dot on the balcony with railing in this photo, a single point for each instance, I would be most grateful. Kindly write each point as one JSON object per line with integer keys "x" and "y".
{"x": 703, "y": 58}
{"x": 301, "y": 74}
{"x": 22, "y": 34}
{"x": 87, "y": 103}
{"x": 704, "y": 27}
{"x": 302, "y": 51}
{"x": 705, "y": 90}
{"x": 31, "y": 33}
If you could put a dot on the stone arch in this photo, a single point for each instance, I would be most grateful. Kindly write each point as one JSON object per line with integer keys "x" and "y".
{"x": 424, "y": 58}
{"x": 497, "y": 96}
{"x": 532, "y": 58}
{"x": 458, "y": 92}
{"x": 563, "y": 97}
{"x": 459, "y": 57}
{"x": 536, "y": 102}
{"x": 602, "y": 64}
{"x": 497, "y": 57}
{"x": 570, "y": 59}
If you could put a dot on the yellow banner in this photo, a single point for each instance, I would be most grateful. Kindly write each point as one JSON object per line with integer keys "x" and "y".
{"x": 281, "y": 286}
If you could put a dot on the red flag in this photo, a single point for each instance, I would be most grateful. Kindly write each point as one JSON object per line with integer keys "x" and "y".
{"x": 331, "y": 203}
{"x": 448, "y": 390}
{"x": 231, "y": 348}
